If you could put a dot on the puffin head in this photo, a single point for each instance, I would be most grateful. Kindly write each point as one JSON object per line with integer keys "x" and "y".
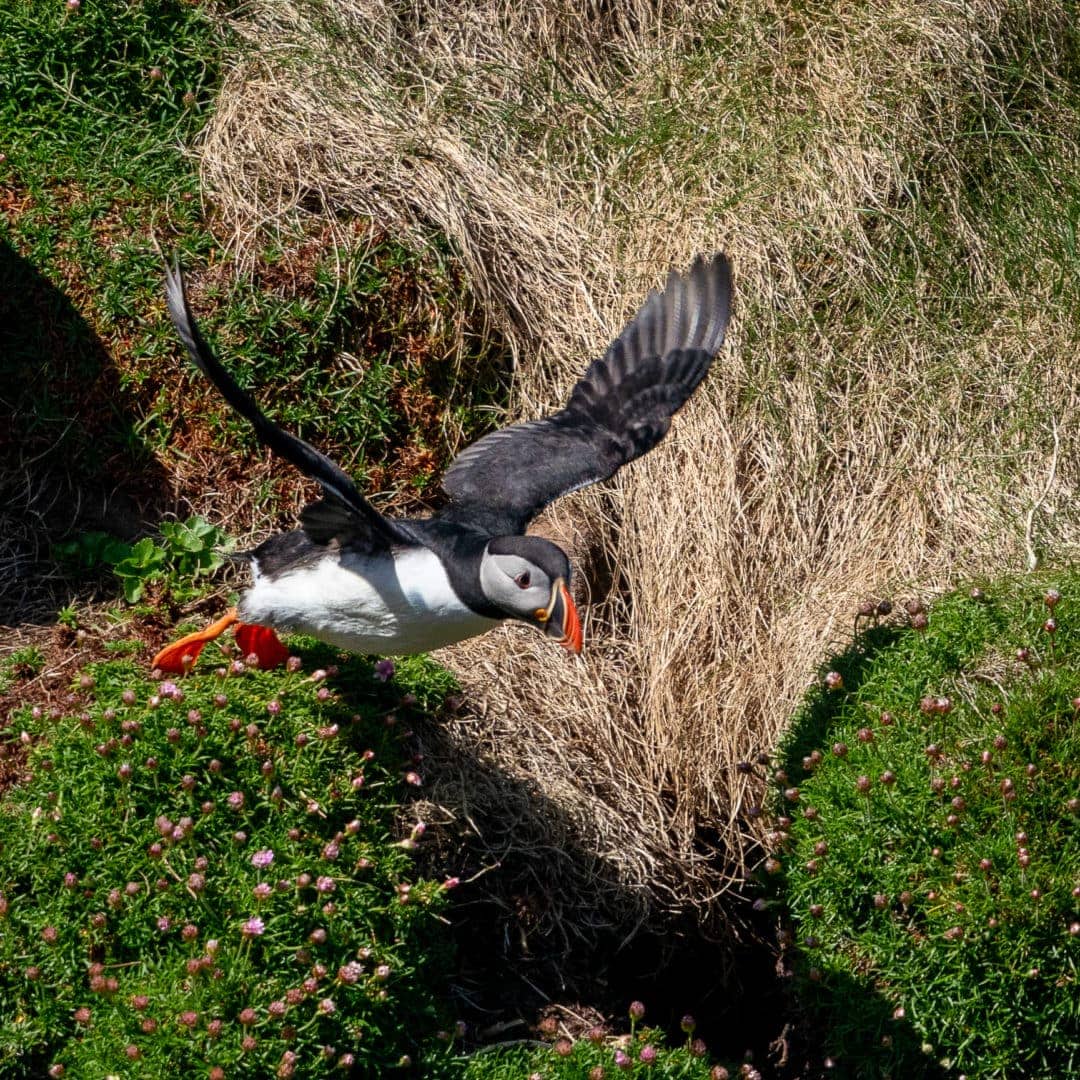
{"x": 527, "y": 577}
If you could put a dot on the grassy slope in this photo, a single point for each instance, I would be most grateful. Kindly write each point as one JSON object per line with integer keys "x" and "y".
{"x": 897, "y": 187}
{"x": 930, "y": 849}
{"x": 97, "y": 106}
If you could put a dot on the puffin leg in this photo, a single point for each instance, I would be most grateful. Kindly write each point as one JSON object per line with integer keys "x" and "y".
{"x": 180, "y": 656}
{"x": 263, "y": 642}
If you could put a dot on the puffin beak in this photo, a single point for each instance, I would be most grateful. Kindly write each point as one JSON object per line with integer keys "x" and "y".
{"x": 562, "y": 618}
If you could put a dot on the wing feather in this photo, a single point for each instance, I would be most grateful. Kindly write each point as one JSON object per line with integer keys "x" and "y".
{"x": 620, "y": 409}
{"x": 344, "y": 514}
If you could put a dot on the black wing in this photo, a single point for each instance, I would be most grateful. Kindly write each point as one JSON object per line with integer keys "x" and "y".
{"x": 344, "y": 514}
{"x": 620, "y": 409}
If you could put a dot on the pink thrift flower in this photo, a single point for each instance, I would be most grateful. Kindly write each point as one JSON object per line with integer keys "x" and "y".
{"x": 384, "y": 670}
{"x": 350, "y": 973}
{"x": 325, "y": 884}
{"x": 253, "y": 927}
{"x": 262, "y": 859}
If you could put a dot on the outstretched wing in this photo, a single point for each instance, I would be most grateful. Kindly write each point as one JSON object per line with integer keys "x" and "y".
{"x": 344, "y": 514}
{"x": 620, "y": 410}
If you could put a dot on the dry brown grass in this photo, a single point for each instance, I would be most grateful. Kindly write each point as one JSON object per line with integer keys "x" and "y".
{"x": 883, "y": 418}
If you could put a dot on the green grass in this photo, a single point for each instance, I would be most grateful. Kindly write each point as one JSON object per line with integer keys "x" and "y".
{"x": 642, "y": 1053}
{"x": 21, "y": 663}
{"x": 213, "y": 874}
{"x": 928, "y": 845}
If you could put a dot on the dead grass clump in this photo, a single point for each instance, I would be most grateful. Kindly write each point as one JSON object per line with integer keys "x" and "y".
{"x": 896, "y": 404}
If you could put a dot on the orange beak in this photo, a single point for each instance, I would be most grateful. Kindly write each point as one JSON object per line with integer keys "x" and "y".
{"x": 563, "y": 621}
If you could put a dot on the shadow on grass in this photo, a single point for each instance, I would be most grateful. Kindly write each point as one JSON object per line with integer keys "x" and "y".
{"x": 71, "y": 459}
{"x": 889, "y": 1045}
{"x": 512, "y": 965}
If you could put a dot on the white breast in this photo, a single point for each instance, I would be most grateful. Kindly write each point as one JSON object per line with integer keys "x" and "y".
{"x": 366, "y": 605}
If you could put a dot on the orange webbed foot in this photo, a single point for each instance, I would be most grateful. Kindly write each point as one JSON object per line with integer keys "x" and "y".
{"x": 179, "y": 657}
{"x": 263, "y": 642}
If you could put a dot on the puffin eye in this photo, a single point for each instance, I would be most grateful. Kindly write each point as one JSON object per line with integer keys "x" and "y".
{"x": 522, "y": 580}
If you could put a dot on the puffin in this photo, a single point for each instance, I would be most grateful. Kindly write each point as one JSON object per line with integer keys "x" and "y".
{"x": 372, "y": 584}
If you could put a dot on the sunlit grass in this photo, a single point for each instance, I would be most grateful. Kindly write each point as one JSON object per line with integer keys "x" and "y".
{"x": 928, "y": 841}
{"x": 207, "y": 875}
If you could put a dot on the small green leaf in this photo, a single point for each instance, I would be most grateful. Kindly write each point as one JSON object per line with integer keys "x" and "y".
{"x": 133, "y": 589}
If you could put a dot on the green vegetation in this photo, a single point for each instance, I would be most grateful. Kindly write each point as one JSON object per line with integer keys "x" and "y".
{"x": 928, "y": 843}
{"x": 108, "y": 425}
{"x": 96, "y": 104}
{"x": 643, "y": 1054}
{"x": 204, "y": 875}
{"x": 188, "y": 551}
{"x": 20, "y": 664}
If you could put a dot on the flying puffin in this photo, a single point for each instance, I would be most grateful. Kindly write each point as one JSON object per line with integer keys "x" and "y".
{"x": 367, "y": 583}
